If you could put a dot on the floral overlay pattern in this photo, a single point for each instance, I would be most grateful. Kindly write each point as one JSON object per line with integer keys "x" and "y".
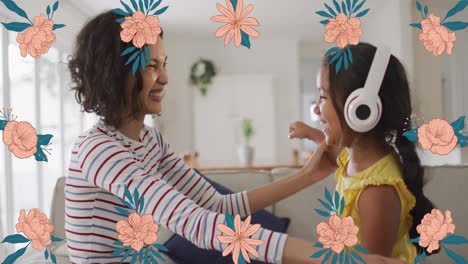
{"x": 338, "y": 236}
{"x": 239, "y": 238}
{"x": 37, "y": 232}
{"x": 434, "y": 233}
{"x": 342, "y": 28}
{"x": 439, "y": 136}
{"x": 140, "y": 26}
{"x": 138, "y": 234}
{"x": 436, "y": 34}
{"x": 238, "y": 25}
{"x": 21, "y": 138}
{"x": 37, "y": 36}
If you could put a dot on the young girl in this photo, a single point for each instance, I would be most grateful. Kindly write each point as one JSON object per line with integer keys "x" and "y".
{"x": 379, "y": 172}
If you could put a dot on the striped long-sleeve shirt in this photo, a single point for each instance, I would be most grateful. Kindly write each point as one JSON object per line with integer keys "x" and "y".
{"x": 104, "y": 162}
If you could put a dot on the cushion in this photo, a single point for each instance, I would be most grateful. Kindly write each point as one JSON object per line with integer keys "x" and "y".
{"x": 183, "y": 251}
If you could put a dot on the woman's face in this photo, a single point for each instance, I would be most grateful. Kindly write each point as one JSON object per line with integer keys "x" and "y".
{"x": 325, "y": 110}
{"x": 155, "y": 80}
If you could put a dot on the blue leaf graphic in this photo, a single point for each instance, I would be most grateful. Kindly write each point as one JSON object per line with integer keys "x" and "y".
{"x": 341, "y": 256}
{"x": 352, "y": 259}
{"x": 457, "y": 258}
{"x": 15, "y": 239}
{"x": 57, "y": 26}
{"x": 459, "y": 124}
{"x": 327, "y": 206}
{"x": 337, "y": 6}
{"x": 324, "y": 14}
{"x": 347, "y": 256}
{"x": 416, "y": 259}
{"x": 141, "y": 255}
{"x": 350, "y": 55}
{"x": 336, "y": 201}
{"x": 43, "y": 140}
{"x": 129, "y": 196}
{"x": 342, "y": 205}
{"x": 328, "y": 196}
{"x": 120, "y": 20}
{"x": 455, "y": 240}
{"x": 161, "y": 247}
{"x": 343, "y": 7}
{"x": 330, "y": 9}
{"x": 234, "y": 4}
{"x": 363, "y": 13}
{"x": 142, "y": 204}
{"x": 157, "y": 254}
{"x": 127, "y": 204}
{"x": 356, "y": 256}
{"x": 411, "y": 135}
{"x": 13, "y": 257}
{"x": 148, "y": 58}
{"x": 40, "y": 155}
{"x": 134, "y": 4}
{"x": 117, "y": 243}
{"x": 361, "y": 249}
{"x": 134, "y": 69}
{"x": 153, "y": 260}
{"x": 419, "y": 6}
{"x": 146, "y": 257}
{"x": 318, "y": 254}
{"x": 335, "y": 257}
{"x": 426, "y": 10}
{"x": 55, "y": 239}
{"x": 16, "y": 26}
{"x": 126, "y": 255}
{"x": 15, "y": 8}
{"x": 46, "y": 254}
{"x": 56, "y": 6}
{"x": 122, "y": 211}
{"x": 346, "y": 63}
{"x": 245, "y": 40}
{"x": 423, "y": 256}
{"x": 119, "y": 11}
{"x": 324, "y": 260}
{"x": 229, "y": 221}
{"x": 318, "y": 245}
{"x": 160, "y": 11}
{"x": 134, "y": 56}
{"x": 416, "y": 25}
{"x": 324, "y": 22}
{"x": 414, "y": 240}
{"x": 136, "y": 194}
{"x": 147, "y": 5}
{"x": 129, "y": 10}
{"x": 359, "y": 6}
{"x": 142, "y": 8}
{"x": 354, "y": 4}
{"x": 48, "y": 10}
{"x": 322, "y": 213}
{"x": 331, "y": 51}
{"x": 455, "y": 25}
{"x": 155, "y": 5}
{"x": 348, "y": 4}
{"x": 52, "y": 256}
{"x": 128, "y": 50}
{"x": 337, "y": 56}
{"x": 2, "y": 124}
{"x": 241, "y": 259}
{"x": 118, "y": 251}
{"x": 457, "y": 8}
{"x": 134, "y": 257}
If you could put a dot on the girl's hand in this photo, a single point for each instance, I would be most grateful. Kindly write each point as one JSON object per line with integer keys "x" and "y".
{"x": 320, "y": 165}
{"x": 300, "y": 130}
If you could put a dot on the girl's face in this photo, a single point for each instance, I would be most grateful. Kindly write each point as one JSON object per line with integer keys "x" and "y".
{"x": 326, "y": 111}
{"x": 155, "y": 79}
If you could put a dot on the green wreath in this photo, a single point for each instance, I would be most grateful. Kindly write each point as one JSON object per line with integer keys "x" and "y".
{"x": 201, "y": 79}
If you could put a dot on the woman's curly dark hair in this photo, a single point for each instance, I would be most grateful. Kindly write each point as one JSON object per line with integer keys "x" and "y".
{"x": 99, "y": 73}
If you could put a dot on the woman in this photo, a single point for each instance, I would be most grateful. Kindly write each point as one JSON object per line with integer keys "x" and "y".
{"x": 120, "y": 151}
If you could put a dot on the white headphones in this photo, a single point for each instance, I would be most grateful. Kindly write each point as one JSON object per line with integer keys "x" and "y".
{"x": 363, "y": 107}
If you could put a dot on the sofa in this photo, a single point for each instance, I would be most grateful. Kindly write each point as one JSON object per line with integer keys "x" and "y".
{"x": 446, "y": 187}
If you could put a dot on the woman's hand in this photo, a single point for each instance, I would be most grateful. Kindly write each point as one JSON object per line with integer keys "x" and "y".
{"x": 321, "y": 164}
{"x": 300, "y": 130}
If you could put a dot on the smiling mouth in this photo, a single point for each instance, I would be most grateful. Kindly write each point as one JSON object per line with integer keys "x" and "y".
{"x": 157, "y": 95}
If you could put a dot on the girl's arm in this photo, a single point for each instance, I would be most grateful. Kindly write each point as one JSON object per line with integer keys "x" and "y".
{"x": 379, "y": 211}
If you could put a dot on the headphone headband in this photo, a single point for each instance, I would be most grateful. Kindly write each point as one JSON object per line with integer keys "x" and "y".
{"x": 377, "y": 71}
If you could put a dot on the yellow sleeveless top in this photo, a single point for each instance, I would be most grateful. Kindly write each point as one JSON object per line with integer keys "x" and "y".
{"x": 386, "y": 171}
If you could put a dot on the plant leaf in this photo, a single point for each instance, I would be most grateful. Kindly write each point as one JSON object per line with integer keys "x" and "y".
{"x": 347, "y": 257}
{"x": 341, "y": 256}
{"x": 118, "y": 251}
{"x": 142, "y": 199}
{"x": 414, "y": 240}
{"x": 2, "y": 124}
{"x": 229, "y": 221}
{"x": 342, "y": 205}
{"x": 134, "y": 70}
{"x": 318, "y": 245}
{"x": 57, "y": 26}
{"x": 355, "y": 255}
{"x": 155, "y": 5}
{"x": 133, "y": 57}
{"x": 142, "y": 8}
{"x": 141, "y": 255}
{"x": 324, "y": 260}
{"x": 327, "y": 206}
{"x": 455, "y": 25}
{"x": 136, "y": 197}
{"x": 119, "y": 11}
{"x": 354, "y": 4}
{"x": 40, "y": 155}
{"x": 56, "y": 6}
{"x": 411, "y": 135}
{"x": 55, "y": 239}
{"x": 157, "y": 254}
{"x": 359, "y": 6}
{"x": 128, "y": 50}
{"x": 455, "y": 240}
{"x": 337, "y": 6}
{"x": 128, "y": 194}
{"x": 416, "y": 259}
{"x": 318, "y": 254}
{"x": 337, "y": 56}
{"x": 161, "y": 247}
{"x": 330, "y": 9}
{"x": 126, "y": 255}
{"x": 322, "y": 213}
{"x": 336, "y": 201}
{"x": 245, "y": 40}
{"x": 459, "y": 124}
{"x": 54, "y": 260}
{"x": 129, "y": 10}
{"x": 350, "y": 55}
{"x": 324, "y": 22}
{"x": 120, "y": 20}
{"x": 426, "y": 10}
{"x": 117, "y": 243}
{"x": 348, "y": 4}
{"x": 457, "y": 258}
{"x": 331, "y": 51}
{"x": 335, "y": 257}
{"x": 122, "y": 211}
{"x": 363, "y": 13}
{"x": 416, "y": 25}
{"x": 328, "y": 196}
{"x": 419, "y": 6}
{"x": 16, "y": 26}
{"x": 46, "y": 254}
{"x": 160, "y": 11}
{"x": 15, "y": 8}
{"x": 146, "y": 257}
{"x": 423, "y": 256}
{"x": 148, "y": 58}
{"x": 13, "y": 257}
{"x": 15, "y": 239}
{"x": 134, "y": 4}
{"x": 343, "y": 7}
{"x": 134, "y": 257}
{"x": 361, "y": 249}
{"x": 346, "y": 64}
{"x": 43, "y": 140}
{"x": 457, "y": 8}
{"x": 48, "y": 10}
{"x": 324, "y": 14}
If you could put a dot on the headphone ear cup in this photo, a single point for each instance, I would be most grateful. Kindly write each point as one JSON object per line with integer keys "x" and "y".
{"x": 362, "y": 113}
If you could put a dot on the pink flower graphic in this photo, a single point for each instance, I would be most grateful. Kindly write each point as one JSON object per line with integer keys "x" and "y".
{"x": 338, "y": 233}
{"x": 435, "y": 36}
{"x": 433, "y": 228}
{"x": 21, "y": 139}
{"x": 36, "y": 227}
{"x": 38, "y": 38}
{"x": 437, "y": 136}
{"x": 140, "y": 29}
{"x": 239, "y": 240}
{"x": 235, "y": 22}
{"x": 343, "y": 30}
{"x": 137, "y": 231}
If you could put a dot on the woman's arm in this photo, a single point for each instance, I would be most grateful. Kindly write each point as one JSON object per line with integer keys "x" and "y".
{"x": 379, "y": 212}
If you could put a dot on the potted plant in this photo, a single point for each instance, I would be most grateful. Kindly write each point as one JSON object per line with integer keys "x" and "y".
{"x": 246, "y": 151}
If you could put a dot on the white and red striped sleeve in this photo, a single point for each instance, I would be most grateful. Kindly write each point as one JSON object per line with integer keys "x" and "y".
{"x": 194, "y": 186}
{"x": 110, "y": 166}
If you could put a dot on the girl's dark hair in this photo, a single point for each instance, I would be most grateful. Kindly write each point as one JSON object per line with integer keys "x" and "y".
{"x": 396, "y": 103}
{"x": 99, "y": 73}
